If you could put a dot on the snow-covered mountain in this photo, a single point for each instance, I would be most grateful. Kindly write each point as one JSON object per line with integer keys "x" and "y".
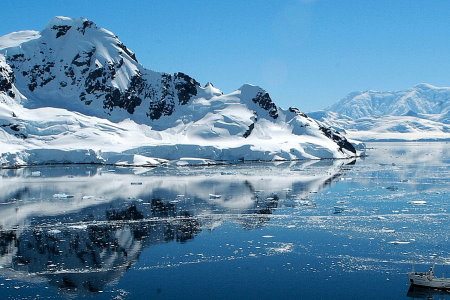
{"x": 419, "y": 113}
{"x": 74, "y": 92}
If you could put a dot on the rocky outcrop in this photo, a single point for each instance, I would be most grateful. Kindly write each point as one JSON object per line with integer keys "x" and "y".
{"x": 6, "y": 78}
{"x": 265, "y": 102}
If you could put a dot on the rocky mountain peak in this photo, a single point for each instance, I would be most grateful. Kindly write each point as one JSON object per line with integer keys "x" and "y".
{"x": 61, "y": 25}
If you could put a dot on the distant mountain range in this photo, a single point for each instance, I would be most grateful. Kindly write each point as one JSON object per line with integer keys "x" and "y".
{"x": 74, "y": 92}
{"x": 419, "y": 113}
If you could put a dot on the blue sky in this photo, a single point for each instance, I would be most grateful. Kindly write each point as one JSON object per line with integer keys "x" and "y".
{"x": 306, "y": 53}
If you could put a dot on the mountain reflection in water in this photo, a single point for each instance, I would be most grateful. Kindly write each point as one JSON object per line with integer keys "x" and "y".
{"x": 81, "y": 227}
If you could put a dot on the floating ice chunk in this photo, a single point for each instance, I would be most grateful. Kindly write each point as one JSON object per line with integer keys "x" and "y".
{"x": 387, "y": 230}
{"x": 214, "y": 196}
{"x": 283, "y": 248}
{"x": 307, "y": 203}
{"x": 54, "y": 231}
{"x": 418, "y": 202}
{"x": 80, "y": 227}
{"x": 87, "y": 197}
{"x": 399, "y": 242}
{"x": 36, "y": 174}
{"x": 62, "y": 196}
{"x": 267, "y": 236}
{"x": 136, "y": 183}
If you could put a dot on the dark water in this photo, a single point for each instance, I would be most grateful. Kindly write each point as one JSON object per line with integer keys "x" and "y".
{"x": 254, "y": 231}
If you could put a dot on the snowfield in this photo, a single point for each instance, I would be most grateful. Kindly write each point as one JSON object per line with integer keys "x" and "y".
{"x": 74, "y": 93}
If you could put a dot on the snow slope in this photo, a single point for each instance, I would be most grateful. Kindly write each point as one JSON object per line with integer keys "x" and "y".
{"x": 75, "y": 93}
{"x": 419, "y": 113}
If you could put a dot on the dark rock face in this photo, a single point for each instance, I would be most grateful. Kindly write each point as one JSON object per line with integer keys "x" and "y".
{"x": 40, "y": 75}
{"x": 297, "y": 112}
{"x": 249, "y": 130}
{"x": 127, "y": 51}
{"x": 96, "y": 83}
{"x": 86, "y": 24}
{"x": 166, "y": 103}
{"x": 159, "y": 109}
{"x": 162, "y": 100}
{"x": 127, "y": 99}
{"x": 186, "y": 87}
{"x": 265, "y": 102}
{"x": 83, "y": 58}
{"x": 342, "y": 142}
{"x": 6, "y": 81}
{"x": 61, "y": 30}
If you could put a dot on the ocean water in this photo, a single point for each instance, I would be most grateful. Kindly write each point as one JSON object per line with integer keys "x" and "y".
{"x": 342, "y": 229}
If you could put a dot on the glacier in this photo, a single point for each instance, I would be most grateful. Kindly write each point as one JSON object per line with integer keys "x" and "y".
{"x": 74, "y": 93}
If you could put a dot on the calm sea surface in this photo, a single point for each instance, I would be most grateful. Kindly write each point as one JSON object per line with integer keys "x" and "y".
{"x": 344, "y": 229}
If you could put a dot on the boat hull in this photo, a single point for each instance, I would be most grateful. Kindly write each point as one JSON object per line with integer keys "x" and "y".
{"x": 425, "y": 280}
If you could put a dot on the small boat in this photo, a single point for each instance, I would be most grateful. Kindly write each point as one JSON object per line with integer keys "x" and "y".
{"x": 428, "y": 279}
